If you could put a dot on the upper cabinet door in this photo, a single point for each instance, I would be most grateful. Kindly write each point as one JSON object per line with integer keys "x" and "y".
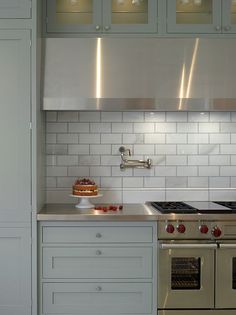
{"x": 194, "y": 16}
{"x": 130, "y": 16}
{"x": 15, "y": 134}
{"x": 15, "y": 9}
{"x": 228, "y": 16}
{"x": 71, "y": 16}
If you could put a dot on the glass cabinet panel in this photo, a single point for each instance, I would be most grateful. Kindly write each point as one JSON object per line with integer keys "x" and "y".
{"x": 234, "y": 273}
{"x": 233, "y": 12}
{"x": 129, "y": 12}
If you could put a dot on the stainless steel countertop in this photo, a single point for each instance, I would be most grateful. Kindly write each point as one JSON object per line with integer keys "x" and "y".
{"x": 130, "y": 212}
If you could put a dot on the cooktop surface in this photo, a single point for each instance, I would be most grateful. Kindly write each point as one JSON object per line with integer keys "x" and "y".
{"x": 173, "y": 207}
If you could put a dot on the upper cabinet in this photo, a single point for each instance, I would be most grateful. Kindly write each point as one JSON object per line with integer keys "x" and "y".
{"x": 101, "y": 16}
{"x": 201, "y": 16}
{"x": 15, "y": 9}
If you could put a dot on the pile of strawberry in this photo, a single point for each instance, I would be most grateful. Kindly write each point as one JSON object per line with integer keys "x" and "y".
{"x": 109, "y": 208}
{"x": 84, "y": 181}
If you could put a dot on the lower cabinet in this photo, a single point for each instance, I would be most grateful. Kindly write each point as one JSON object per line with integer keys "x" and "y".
{"x": 99, "y": 275}
{"x": 15, "y": 270}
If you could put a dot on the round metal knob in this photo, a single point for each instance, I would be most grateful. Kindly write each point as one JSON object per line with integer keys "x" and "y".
{"x": 181, "y": 228}
{"x": 98, "y": 288}
{"x": 170, "y": 228}
{"x": 216, "y": 231}
{"x": 217, "y": 28}
{"x": 203, "y": 229}
{"x": 227, "y": 28}
{"x": 97, "y": 27}
{"x": 107, "y": 27}
{"x": 98, "y": 235}
{"x": 98, "y": 253}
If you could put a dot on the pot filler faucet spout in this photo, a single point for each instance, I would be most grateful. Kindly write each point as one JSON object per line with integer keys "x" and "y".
{"x": 129, "y": 163}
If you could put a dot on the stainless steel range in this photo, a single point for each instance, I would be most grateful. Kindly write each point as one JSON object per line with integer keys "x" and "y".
{"x": 197, "y": 258}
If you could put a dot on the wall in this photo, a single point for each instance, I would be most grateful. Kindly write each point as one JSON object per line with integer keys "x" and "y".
{"x": 193, "y": 153}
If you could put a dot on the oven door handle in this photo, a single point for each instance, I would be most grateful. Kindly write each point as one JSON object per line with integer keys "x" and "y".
{"x": 188, "y": 246}
{"x": 230, "y": 246}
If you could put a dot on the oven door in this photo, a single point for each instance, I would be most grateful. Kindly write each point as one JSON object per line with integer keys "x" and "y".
{"x": 186, "y": 275}
{"x": 226, "y": 275}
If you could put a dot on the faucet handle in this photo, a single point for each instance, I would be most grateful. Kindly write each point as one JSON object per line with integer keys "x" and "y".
{"x": 123, "y": 151}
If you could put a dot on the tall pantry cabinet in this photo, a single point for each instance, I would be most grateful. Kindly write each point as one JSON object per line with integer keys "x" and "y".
{"x": 20, "y": 154}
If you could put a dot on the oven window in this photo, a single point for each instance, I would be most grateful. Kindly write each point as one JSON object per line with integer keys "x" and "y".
{"x": 234, "y": 273}
{"x": 186, "y": 273}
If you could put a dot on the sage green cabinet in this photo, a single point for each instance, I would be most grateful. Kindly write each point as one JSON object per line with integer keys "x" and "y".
{"x": 201, "y": 16}
{"x": 15, "y": 9}
{"x": 101, "y": 16}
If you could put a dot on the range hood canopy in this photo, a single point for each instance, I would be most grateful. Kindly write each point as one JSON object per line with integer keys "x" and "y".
{"x": 148, "y": 74}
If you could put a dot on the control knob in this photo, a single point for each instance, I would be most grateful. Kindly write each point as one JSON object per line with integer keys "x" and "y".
{"x": 181, "y": 228}
{"x": 170, "y": 228}
{"x": 203, "y": 229}
{"x": 216, "y": 231}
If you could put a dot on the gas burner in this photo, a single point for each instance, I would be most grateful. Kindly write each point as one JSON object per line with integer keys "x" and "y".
{"x": 173, "y": 207}
{"x": 228, "y": 204}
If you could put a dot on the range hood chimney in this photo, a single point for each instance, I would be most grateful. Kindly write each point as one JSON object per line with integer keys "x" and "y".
{"x": 148, "y": 74}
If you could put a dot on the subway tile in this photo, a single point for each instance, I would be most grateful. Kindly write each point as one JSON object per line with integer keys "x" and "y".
{"x": 115, "y": 149}
{"x": 209, "y": 127}
{"x": 187, "y": 194}
{"x": 56, "y": 171}
{"x": 143, "y": 127}
{"x": 233, "y": 182}
{"x": 198, "y": 160}
{"x": 228, "y": 148}
{"x": 68, "y": 116}
{"x": 133, "y": 138}
{"x": 219, "y": 182}
{"x": 51, "y": 116}
{"x": 233, "y": 137}
{"x": 132, "y": 182}
{"x": 165, "y": 149}
{"x": 209, "y": 170}
{"x": 51, "y": 138}
{"x": 176, "y": 138}
{"x": 145, "y": 172}
{"x": 67, "y": 160}
{"x": 56, "y": 127}
{"x": 100, "y": 171}
{"x": 209, "y": 149}
{"x": 89, "y": 138}
{"x": 101, "y": 149}
{"x": 51, "y": 160}
{"x": 90, "y": 116}
{"x": 122, "y": 127}
{"x": 110, "y": 160}
{"x": 109, "y": 195}
{"x": 161, "y": 171}
{"x": 187, "y": 170}
{"x": 155, "y": 116}
{"x": 165, "y": 127}
{"x": 228, "y": 127}
{"x": 198, "y": 182}
{"x": 224, "y": 194}
{"x": 81, "y": 171}
{"x": 133, "y": 116}
{"x": 67, "y": 138}
{"x": 176, "y": 182}
{"x": 187, "y": 149}
{"x": 220, "y": 138}
{"x": 227, "y": 170}
{"x": 56, "y": 149}
{"x": 65, "y": 182}
{"x": 176, "y": 160}
{"x": 220, "y": 116}
{"x": 116, "y": 171}
{"x": 189, "y": 127}
{"x": 79, "y": 127}
{"x": 111, "y": 116}
{"x": 59, "y": 196}
{"x": 111, "y": 182}
{"x": 78, "y": 149}
{"x": 219, "y": 160}
{"x": 156, "y": 159}
{"x": 176, "y": 116}
{"x": 141, "y": 196}
{"x": 111, "y": 138}
{"x": 144, "y": 149}
{"x": 89, "y": 160}
{"x": 198, "y": 116}
{"x": 233, "y": 116}
{"x": 198, "y": 138}
{"x": 154, "y": 138}
{"x": 152, "y": 182}
{"x": 233, "y": 160}
{"x": 100, "y": 127}
{"x": 51, "y": 182}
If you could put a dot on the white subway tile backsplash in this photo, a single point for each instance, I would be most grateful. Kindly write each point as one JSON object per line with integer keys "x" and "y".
{"x": 187, "y": 149}
{"x": 187, "y": 194}
{"x": 187, "y": 170}
{"x": 65, "y": 182}
{"x": 78, "y": 149}
{"x": 67, "y": 160}
{"x": 154, "y": 182}
{"x": 67, "y": 138}
{"x": 89, "y": 138}
{"x": 233, "y": 137}
{"x": 176, "y": 160}
{"x": 111, "y": 116}
{"x": 189, "y": 127}
{"x": 111, "y": 182}
{"x": 51, "y": 138}
{"x": 219, "y": 160}
{"x": 78, "y": 127}
{"x": 116, "y": 171}
{"x": 198, "y": 116}
{"x": 219, "y": 195}
{"x": 220, "y": 116}
{"x": 56, "y": 127}
{"x": 68, "y": 116}
{"x": 51, "y": 160}
{"x": 89, "y": 160}
{"x": 209, "y": 171}
{"x": 141, "y": 196}
{"x": 155, "y": 116}
{"x": 80, "y": 171}
{"x": 219, "y": 182}
{"x": 197, "y": 182}
{"x": 90, "y": 116}
{"x": 176, "y": 182}
{"x": 165, "y": 127}
{"x": 176, "y": 138}
{"x": 133, "y": 138}
{"x": 110, "y": 160}
{"x": 144, "y": 149}
{"x": 111, "y": 138}
{"x": 101, "y": 149}
{"x": 198, "y": 138}
{"x": 154, "y": 138}
{"x": 132, "y": 182}
{"x": 145, "y": 172}
{"x": 227, "y": 170}
{"x": 56, "y": 171}
{"x": 176, "y": 116}
{"x": 228, "y": 148}
{"x": 228, "y": 127}
{"x": 122, "y": 127}
{"x": 144, "y": 127}
{"x": 58, "y": 149}
{"x": 209, "y": 127}
{"x": 162, "y": 171}
{"x": 51, "y": 182}
{"x": 100, "y": 127}
{"x": 220, "y": 138}
{"x": 51, "y": 116}
{"x": 198, "y": 160}
{"x": 133, "y": 116}
{"x": 209, "y": 149}
{"x": 156, "y": 159}
{"x": 100, "y": 171}
{"x": 165, "y": 149}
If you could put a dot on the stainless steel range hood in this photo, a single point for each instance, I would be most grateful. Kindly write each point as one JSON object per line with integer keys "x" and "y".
{"x": 150, "y": 74}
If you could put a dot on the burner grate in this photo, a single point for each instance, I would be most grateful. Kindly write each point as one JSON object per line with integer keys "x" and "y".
{"x": 228, "y": 204}
{"x": 173, "y": 207}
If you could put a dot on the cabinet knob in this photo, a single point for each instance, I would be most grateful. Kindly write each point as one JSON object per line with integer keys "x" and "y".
{"x": 98, "y": 288}
{"x": 98, "y": 235}
{"x": 97, "y": 27}
{"x": 98, "y": 253}
{"x": 227, "y": 28}
{"x": 217, "y": 28}
{"x": 107, "y": 28}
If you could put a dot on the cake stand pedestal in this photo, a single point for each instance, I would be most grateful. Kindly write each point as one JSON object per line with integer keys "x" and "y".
{"x": 84, "y": 201}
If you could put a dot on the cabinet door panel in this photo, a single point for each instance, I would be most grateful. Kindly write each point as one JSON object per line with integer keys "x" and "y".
{"x": 14, "y": 9}
{"x": 228, "y": 16}
{"x": 15, "y": 138}
{"x": 15, "y": 271}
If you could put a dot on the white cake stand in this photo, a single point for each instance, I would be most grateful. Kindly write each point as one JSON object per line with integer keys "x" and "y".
{"x": 84, "y": 202}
